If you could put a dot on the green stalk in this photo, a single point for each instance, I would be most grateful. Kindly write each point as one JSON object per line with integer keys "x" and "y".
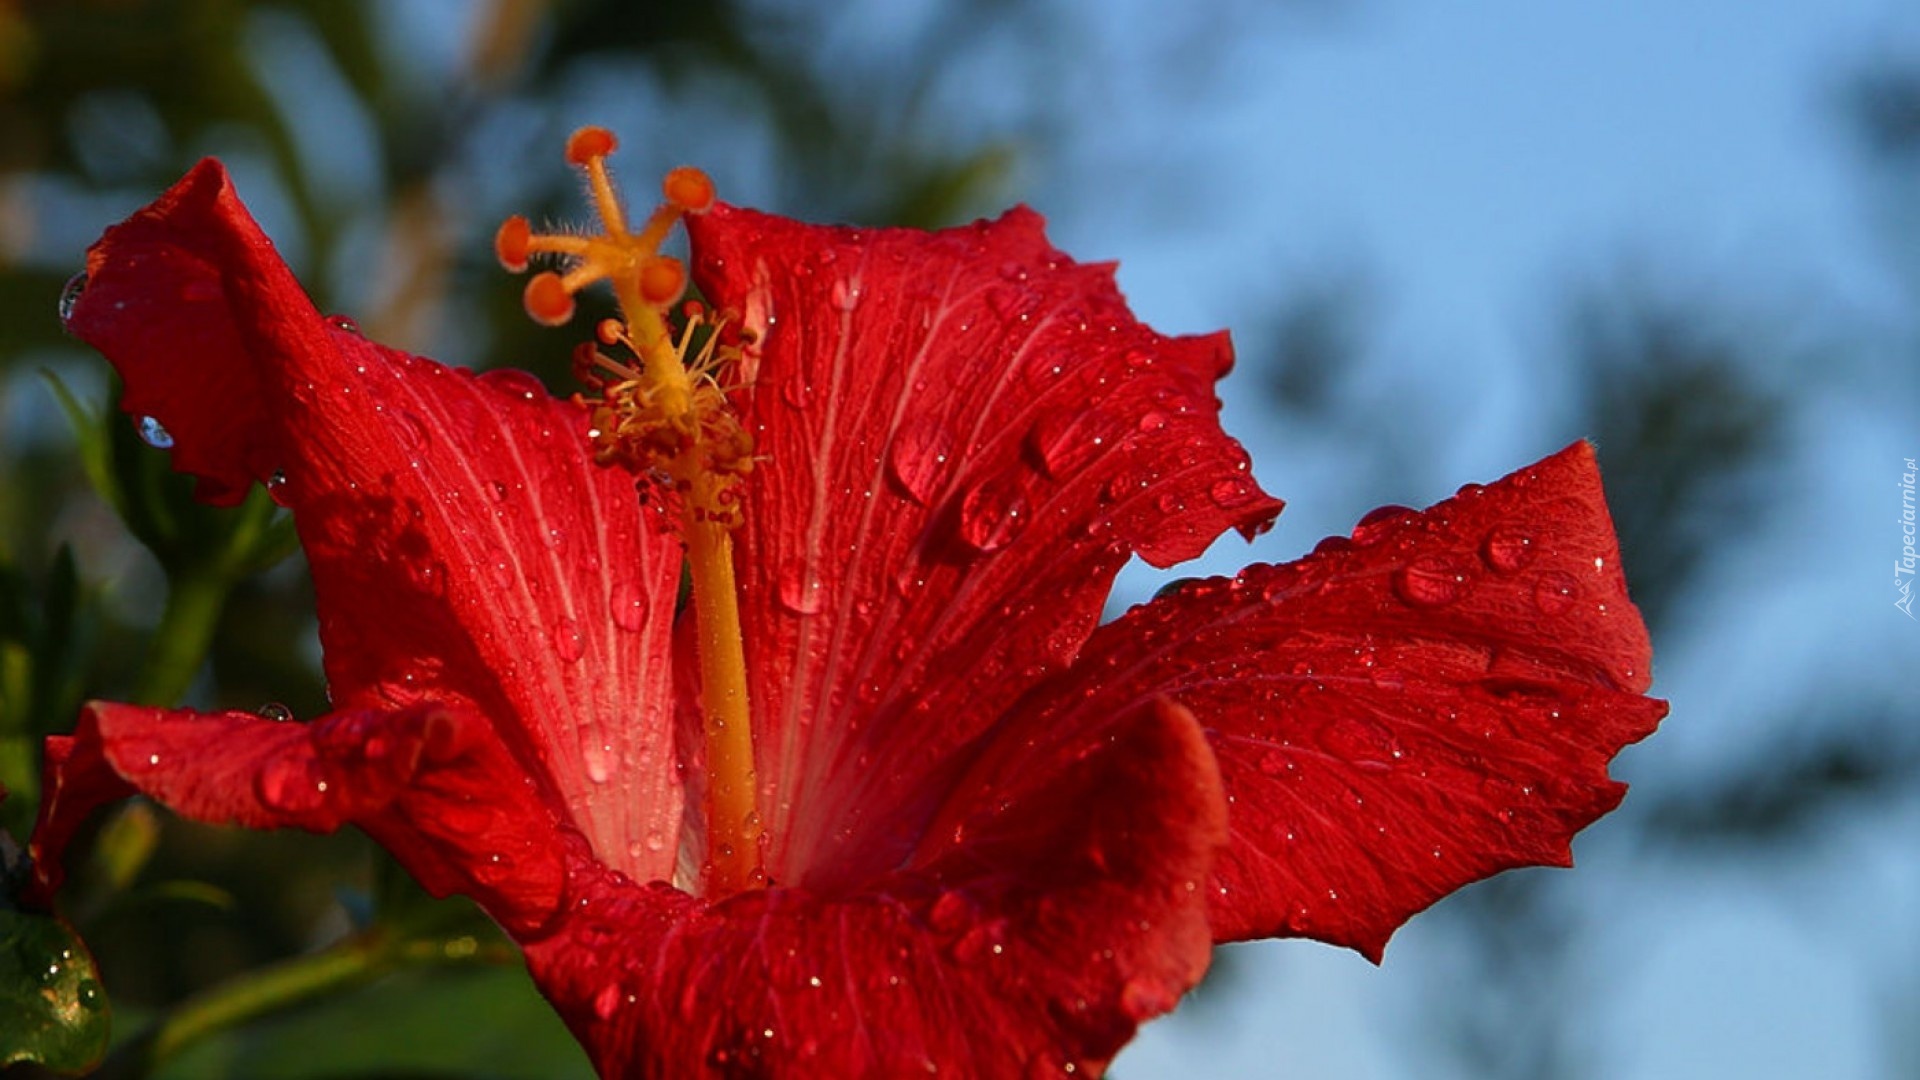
{"x": 185, "y": 633}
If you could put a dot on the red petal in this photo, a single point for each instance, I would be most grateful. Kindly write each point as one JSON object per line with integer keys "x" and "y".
{"x": 1013, "y": 946}
{"x": 962, "y": 436}
{"x": 465, "y": 549}
{"x": 433, "y": 786}
{"x": 1400, "y": 714}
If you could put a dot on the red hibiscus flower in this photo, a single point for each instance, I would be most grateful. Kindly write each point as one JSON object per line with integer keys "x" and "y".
{"x": 886, "y": 798}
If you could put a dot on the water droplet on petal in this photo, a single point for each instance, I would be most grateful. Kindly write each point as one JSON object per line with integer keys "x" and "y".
{"x": 599, "y": 764}
{"x": 70, "y": 296}
{"x": 274, "y": 711}
{"x": 1231, "y": 491}
{"x": 845, "y": 294}
{"x": 1379, "y": 522}
{"x": 800, "y": 588}
{"x": 796, "y": 391}
{"x": 607, "y": 1001}
{"x": 286, "y": 785}
{"x": 1059, "y": 442}
{"x": 499, "y": 491}
{"x": 413, "y": 431}
{"x": 567, "y": 640}
{"x": 345, "y": 324}
{"x": 516, "y": 383}
{"x": 1152, "y": 420}
{"x": 917, "y": 459}
{"x": 1555, "y": 592}
{"x": 994, "y": 514}
{"x": 629, "y": 604}
{"x": 155, "y": 434}
{"x": 1333, "y": 545}
{"x": 1429, "y": 581}
{"x": 1507, "y": 549}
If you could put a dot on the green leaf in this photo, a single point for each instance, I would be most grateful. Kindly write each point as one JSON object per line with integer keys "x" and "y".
{"x": 52, "y": 1008}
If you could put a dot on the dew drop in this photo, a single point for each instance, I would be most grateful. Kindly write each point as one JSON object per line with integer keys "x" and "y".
{"x": 413, "y": 431}
{"x": 274, "y": 711}
{"x": 70, "y": 296}
{"x": 796, "y": 391}
{"x": 917, "y": 460}
{"x": 1429, "y": 581}
{"x": 800, "y": 588}
{"x": 567, "y": 640}
{"x": 1379, "y": 523}
{"x": 155, "y": 434}
{"x": 1555, "y": 592}
{"x": 994, "y": 514}
{"x": 1332, "y": 545}
{"x": 1059, "y": 444}
{"x": 499, "y": 491}
{"x": 845, "y": 294}
{"x": 1152, "y": 420}
{"x": 87, "y": 992}
{"x": 1507, "y": 549}
{"x": 629, "y": 604}
{"x": 287, "y": 786}
{"x": 599, "y": 764}
{"x": 516, "y": 383}
{"x": 345, "y": 324}
{"x": 1229, "y": 492}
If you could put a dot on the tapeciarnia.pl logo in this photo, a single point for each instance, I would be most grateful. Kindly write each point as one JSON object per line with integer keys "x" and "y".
{"x": 1903, "y": 566}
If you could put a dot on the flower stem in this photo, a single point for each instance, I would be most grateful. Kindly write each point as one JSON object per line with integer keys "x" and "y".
{"x": 356, "y": 960}
{"x": 180, "y": 642}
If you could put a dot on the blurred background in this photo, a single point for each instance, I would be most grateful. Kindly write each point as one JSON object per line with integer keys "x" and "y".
{"x": 1449, "y": 240}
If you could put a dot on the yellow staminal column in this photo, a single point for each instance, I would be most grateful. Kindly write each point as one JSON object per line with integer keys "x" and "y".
{"x": 668, "y": 416}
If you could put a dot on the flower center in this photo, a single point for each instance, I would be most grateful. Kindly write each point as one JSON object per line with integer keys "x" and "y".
{"x": 661, "y": 411}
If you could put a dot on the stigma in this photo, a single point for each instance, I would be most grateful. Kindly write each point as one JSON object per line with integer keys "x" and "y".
{"x": 659, "y": 406}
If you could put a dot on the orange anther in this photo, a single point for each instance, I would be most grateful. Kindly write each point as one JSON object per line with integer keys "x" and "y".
{"x": 689, "y": 189}
{"x": 662, "y": 280}
{"x": 609, "y": 331}
{"x": 511, "y": 243}
{"x": 547, "y": 299}
{"x": 588, "y": 143}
